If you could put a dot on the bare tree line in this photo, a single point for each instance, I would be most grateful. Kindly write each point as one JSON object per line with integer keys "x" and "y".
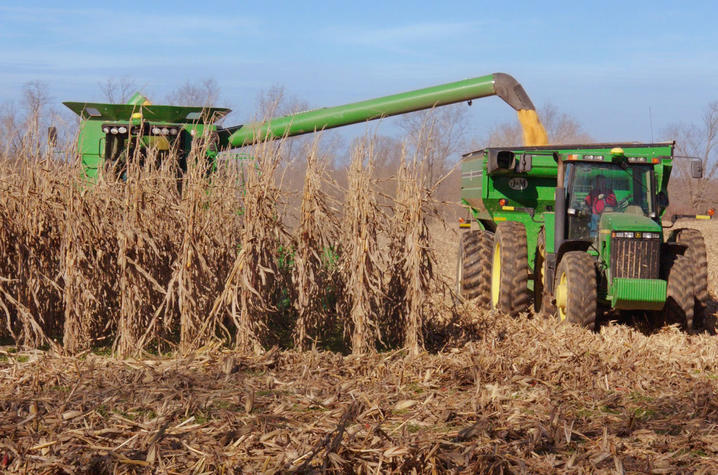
{"x": 447, "y": 128}
{"x": 695, "y": 139}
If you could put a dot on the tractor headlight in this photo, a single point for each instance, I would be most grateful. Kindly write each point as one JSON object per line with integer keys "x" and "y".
{"x": 122, "y": 130}
{"x": 635, "y": 235}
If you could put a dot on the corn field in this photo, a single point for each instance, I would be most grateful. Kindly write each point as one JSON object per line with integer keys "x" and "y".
{"x": 161, "y": 261}
{"x": 176, "y": 323}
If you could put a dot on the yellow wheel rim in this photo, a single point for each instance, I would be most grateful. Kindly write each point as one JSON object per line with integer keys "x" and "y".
{"x": 562, "y": 296}
{"x": 496, "y": 276}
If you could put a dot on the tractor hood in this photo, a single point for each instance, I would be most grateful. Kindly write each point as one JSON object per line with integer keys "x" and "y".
{"x": 628, "y": 222}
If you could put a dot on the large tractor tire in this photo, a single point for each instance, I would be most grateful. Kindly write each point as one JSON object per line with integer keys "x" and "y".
{"x": 696, "y": 252}
{"x": 678, "y": 272}
{"x": 575, "y": 289}
{"x": 473, "y": 272}
{"x": 543, "y": 302}
{"x": 510, "y": 269}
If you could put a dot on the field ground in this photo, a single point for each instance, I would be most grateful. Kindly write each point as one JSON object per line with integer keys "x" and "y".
{"x": 521, "y": 395}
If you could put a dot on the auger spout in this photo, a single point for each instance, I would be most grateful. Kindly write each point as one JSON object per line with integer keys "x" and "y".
{"x": 498, "y": 84}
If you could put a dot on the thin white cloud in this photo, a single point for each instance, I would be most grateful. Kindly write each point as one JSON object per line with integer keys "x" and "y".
{"x": 399, "y": 37}
{"x": 128, "y": 25}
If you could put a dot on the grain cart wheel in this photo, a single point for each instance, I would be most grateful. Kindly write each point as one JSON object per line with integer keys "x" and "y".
{"x": 466, "y": 266}
{"x": 473, "y": 272}
{"x": 542, "y": 291}
{"x": 678, "y": 272}
{"x": 696, "y": 252}
{"x": 510, "y": 269}
{"x": 575, "y": 289}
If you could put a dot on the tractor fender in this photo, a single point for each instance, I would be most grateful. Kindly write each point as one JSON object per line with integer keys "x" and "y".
{"x": 553, "y": 260}
{"x": 673, "y": 249}
{"x": 571, "y": 245}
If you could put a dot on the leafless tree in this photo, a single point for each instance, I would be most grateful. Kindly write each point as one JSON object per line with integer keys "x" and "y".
{"x": 275, "y": 101}
{"x": 118, "y": 91}
{"x": 35, "y": 97}
{"x": 441, "y": 133}
{"x": 205, "y": 94}
{"x": 23, "y": 126}
{"x": 695, "y": 140}
{"x": 560, "y": 127}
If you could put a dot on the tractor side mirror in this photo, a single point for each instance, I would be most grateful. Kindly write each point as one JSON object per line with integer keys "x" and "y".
{"x": 696, "y": 168}
{"x": 52, "y": 136}
{"x": 524, "y": 164}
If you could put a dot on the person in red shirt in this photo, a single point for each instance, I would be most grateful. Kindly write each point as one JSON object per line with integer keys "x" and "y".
{"x": 600, "y": 196}
{"x": 598, "y": 199}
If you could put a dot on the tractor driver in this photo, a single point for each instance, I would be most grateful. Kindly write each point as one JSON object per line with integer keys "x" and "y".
{"x": 600, "y": 197}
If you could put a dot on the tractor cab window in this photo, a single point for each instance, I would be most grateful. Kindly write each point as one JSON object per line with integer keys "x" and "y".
{"x": 597, "y": 188}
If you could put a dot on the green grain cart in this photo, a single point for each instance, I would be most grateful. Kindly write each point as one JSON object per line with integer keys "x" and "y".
{"x": 579, "y": 227}
{"x": 113, "y": 134}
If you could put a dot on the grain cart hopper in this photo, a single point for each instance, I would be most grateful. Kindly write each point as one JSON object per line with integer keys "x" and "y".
{"x": 110, "y": 133}
{"x": 580, "y": 226}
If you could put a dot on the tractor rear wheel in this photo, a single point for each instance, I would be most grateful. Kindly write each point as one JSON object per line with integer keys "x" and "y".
{"x": 473, "y": 271}
{"x": 575, "y": 289}
{"x": 542, "y": 289}
{"x": 696, "y": 252}
{"x": 678, "y": 272}
{"x": 510, "y": 269}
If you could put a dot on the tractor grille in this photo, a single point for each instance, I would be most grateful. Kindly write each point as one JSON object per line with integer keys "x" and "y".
{"x": 635, "y": 258}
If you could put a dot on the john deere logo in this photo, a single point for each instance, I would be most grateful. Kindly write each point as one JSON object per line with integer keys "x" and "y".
{"x": 518, "y": 183}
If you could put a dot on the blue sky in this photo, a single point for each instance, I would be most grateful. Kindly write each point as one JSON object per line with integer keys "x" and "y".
{"x": 605, "y": 63}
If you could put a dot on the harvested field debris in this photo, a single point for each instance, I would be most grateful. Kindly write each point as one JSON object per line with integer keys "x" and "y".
{"x": 527, "y": 396}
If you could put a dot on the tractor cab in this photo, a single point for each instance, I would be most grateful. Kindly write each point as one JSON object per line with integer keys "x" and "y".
{"x": 595, "y": 188}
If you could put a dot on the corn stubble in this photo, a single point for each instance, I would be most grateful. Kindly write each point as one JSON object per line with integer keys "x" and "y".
{"x": 527, "y": 396}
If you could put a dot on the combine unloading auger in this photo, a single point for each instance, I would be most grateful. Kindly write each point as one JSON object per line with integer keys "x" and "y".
{"x": 497, "y": 84}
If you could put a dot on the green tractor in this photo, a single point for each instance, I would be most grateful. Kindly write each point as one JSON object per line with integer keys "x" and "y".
{"x": 111, "y": 135}
{"x": 579, "y": 229}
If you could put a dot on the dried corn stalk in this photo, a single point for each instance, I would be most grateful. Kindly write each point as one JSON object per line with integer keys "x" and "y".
{"x": 314, "y": 266}
{"x": 361, "y": 265}
{"x": 247, "y": 296}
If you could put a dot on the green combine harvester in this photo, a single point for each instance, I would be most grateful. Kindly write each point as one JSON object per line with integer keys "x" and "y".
{"x": 112, "y": 134}
{"x": 580, "y": 227}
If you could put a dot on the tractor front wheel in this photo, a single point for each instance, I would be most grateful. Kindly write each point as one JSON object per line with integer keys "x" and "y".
{"x": 575, "y": 289}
